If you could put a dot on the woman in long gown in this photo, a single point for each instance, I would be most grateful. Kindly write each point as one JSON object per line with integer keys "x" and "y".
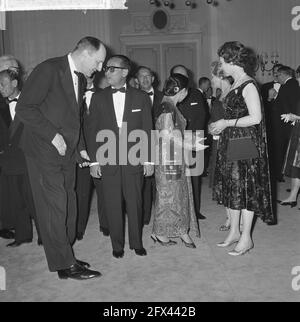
{"x": 243, "y": 186}
{"x": 173, "y": 211}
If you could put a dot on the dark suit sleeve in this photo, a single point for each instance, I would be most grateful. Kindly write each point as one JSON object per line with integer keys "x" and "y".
{"x": 147, "y": 121}
{"x": 91, "y": 127}
{"x": 292, "y": 97}
{"x": 202, "y": 113}
{"x": 82, "y": 143}
{"x": 32, "y": 96}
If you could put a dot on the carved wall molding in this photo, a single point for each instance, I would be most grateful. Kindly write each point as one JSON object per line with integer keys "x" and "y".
{"x": 178, "y": 22}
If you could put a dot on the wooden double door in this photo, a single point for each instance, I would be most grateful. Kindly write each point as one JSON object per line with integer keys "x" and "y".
{"x": 162, "y": 56}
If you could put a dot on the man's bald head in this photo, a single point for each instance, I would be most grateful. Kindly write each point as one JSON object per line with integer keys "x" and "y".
{"x": 8, "y": 62}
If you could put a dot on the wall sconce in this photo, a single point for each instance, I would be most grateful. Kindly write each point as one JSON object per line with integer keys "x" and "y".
{"x": 264, "y": 60}
{"x": 171, "y": 4}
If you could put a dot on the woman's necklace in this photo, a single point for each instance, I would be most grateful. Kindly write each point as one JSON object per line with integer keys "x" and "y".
{"x": 239, "y": 80}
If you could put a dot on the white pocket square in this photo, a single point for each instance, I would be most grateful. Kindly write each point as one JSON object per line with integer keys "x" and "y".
{"x": 195, "y": 103}
{"x": 137, "y": 110}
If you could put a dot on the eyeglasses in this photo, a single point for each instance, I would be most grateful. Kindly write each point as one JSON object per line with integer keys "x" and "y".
{"x": 111, "y": 69}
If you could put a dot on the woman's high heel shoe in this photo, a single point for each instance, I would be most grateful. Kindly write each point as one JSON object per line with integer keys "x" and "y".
{"x": 223, "y": 244}
{"x": 168, "y": 243}
{"x": 241, "y": 252}
{"x": 189, "y": 245}
{"x": 287, "y": 203}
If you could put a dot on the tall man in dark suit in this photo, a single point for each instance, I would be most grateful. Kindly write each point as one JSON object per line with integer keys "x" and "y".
{"x": 145, "y": 78}
{"x": 285, "y": 102}
{"x": 49, "y": 107}
{"x": 17, "y": 194}
{"x": 117, "y": 111}
{"x": 195, "y": 110}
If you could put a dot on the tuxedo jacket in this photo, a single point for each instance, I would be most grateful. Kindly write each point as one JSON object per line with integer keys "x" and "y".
{"x": 287, "y": 98}
{"x": 137, "y": 114}
{"x": 12, "y": 160}
{"x": 5, "y": 120}
{"x": 264, "y": 90}
{"x": 46, "y": 106}
{"x": 195, "y": 110}
{"x": 156, "y": 107}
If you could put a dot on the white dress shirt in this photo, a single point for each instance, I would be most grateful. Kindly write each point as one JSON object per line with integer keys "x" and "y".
{"x": 119, "y": 105}
{"x": 74, "y": 76}
{"x": 88, "y": 97}
{"x": 151, "y": 96}
{"x": 12, "y": 107}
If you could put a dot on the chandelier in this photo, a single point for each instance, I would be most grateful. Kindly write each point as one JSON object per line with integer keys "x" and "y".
{"x": 266, "y": 62}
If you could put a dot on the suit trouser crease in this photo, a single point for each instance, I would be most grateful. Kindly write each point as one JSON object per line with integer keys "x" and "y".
{"x": 55, "y": 201}
{"x": 118, "y": 188}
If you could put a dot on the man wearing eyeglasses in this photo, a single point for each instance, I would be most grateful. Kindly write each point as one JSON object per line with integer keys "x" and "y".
{"x": 50, "y": 108}
{"x": 115, "y": 108}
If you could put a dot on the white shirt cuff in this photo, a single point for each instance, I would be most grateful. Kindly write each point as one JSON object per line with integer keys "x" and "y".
{"x": 93, "y": 163}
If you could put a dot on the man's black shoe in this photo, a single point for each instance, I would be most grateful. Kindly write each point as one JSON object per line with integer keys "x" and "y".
{"x": 77, "y": 272}
{"x": 118, "y": 254}
{"x": 281, "y": 179}
{"x": 272, "y": 223}
{"x": 105, "y": 231}
{"x": 79, "y": 236}
{"x": 82, "y": 263}
{"x": 39, "y": 242}
{"x": 16, "y": 244}
{"x": 200, "y": 216}
{"x": 141, "y": 252}
{"x": 7, "y": 234}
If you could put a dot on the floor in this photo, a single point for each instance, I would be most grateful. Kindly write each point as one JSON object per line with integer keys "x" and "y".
{"x": 175, "y": 273}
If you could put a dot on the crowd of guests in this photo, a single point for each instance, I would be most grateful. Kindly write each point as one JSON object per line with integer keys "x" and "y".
{"x": 51, "y": 139}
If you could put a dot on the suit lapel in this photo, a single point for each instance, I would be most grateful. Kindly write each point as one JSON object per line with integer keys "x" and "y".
{"x": 67, "y": 83}
{"x": 111, "y": 109}
{"x": 13, "y": 127}
{"x": 5, "y": 114}
{"x": 155, "y": 99}
{"x": 127, "y": 106}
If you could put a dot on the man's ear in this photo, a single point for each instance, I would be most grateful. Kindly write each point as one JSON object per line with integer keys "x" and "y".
{"x": 125, "y": 72}
{"x": 15, "y": 83}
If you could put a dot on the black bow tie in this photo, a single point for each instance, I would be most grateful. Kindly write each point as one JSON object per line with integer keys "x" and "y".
{"x": 13, "y": 100}
{"x": 115, "y": 90}
{"x": 90, "y": 90}
{"x": 150, "y": 93}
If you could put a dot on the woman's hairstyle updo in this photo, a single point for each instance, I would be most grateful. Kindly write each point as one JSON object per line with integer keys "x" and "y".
{"x": 236, "y": 53}
{"x": 174, "y": 84}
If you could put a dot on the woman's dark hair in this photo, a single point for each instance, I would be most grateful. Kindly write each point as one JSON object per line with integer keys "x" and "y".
{"x": 236, "y": 53}
{"x": 174, "y": 84}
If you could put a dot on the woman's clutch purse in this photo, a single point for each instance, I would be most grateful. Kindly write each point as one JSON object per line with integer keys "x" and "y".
{"x": 241, "y": 149}
{"x": 172, "y": 170}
